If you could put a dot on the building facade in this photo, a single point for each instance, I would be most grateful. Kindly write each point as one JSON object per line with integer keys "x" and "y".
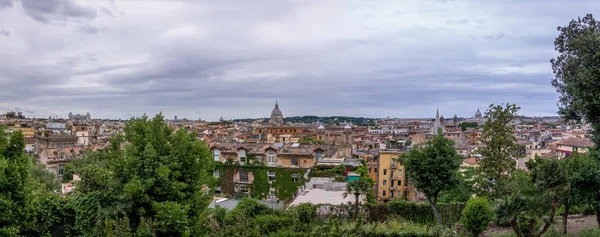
{"x": 390, "y": 177}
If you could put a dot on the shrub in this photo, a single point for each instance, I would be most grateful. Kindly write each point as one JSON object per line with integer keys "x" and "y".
{"x": 271, "y": 223}
{"x": 477, "y": 215}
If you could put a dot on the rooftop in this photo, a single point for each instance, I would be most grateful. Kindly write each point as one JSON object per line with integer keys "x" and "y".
{"x": 320, "y": 196}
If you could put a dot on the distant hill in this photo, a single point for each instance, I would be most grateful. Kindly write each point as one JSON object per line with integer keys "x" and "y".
{"x": 359, "y": 121}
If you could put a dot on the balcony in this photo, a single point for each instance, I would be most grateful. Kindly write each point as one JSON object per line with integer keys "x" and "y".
{"x": 393, "y": 188}
{"x": 394, "y": 166}
{"x": 395, "y": 177}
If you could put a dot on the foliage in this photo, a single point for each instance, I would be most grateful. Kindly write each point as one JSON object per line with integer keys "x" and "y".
{"x": 157, "y": 183}
{"x": 502, "y": 148}
{"x": 433, "y": 168}
{"x": 284, "y": 185}
{"x": 28, "y": 205}
{"x": 477, "y": 215}
{"x": 420, "y": 213}
{"x": 286, "y": 188}
{"x": 468, "y": 180}
{"x": 327, "y": 171}
{"x": 464, "y": 125}
{"x": 535, "y": 200}
{"x": 576, "y": 77}
{"x": 41, "y": 175}
{"x": 575, "y": 69}
{"x": 357, "y": 188}
{"x": 582, "y": 183}
{"x": 358, "y": 121}
{"x": 310, "y": 140}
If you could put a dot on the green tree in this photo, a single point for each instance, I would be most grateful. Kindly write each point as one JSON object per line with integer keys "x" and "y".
{"x": 576, "y": 77}
{"x": 535, "y": 199}
{"x": 582, "y": 183}
{"x": 357, "y": 188}
{"x": 466, "y": 187}
{"x": 464, "y": 125}
{"x": 14, "y": 174}
{"x": 28, "y": 204}
{"x": 477, "y": 215}
{"x": 499, "y": 157}
{"x": 433, "y": 169}
{"x": 158, "y": 183}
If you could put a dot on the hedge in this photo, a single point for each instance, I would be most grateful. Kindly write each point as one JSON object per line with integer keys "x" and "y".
{"x": 419, "y": 213}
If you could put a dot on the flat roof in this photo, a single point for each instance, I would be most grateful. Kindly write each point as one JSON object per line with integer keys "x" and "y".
{"x": 321, "y": 196}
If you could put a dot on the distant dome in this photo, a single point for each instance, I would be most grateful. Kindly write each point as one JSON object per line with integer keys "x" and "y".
{"x": 347, "y": 126}
{"x": 321, "y": 127}
{"x": 276, "y": 115}
{"x": 478, "y": 114}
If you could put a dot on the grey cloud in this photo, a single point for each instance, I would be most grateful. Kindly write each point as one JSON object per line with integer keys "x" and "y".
{"x": 49, "y": 10}
{"x": 89, "y": 29}
{"x": 494, "y": 37}
{"x": 6, "y": 3}
{"x": 4, "y": 33}
{"x": 238, "y": 64}
{"x": 459, "y": 22}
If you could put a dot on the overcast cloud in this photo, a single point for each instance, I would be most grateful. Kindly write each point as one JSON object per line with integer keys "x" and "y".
{"x": 208, "y": 59}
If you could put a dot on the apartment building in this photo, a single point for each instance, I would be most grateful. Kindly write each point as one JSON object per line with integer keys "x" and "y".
{"x": 390, "y": 177}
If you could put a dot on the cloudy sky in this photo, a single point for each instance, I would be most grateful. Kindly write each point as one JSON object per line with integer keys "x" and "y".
{"x": 206, "y": 59}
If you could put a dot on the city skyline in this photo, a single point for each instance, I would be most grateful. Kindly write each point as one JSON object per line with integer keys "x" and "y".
{"x": 118, "y": 59}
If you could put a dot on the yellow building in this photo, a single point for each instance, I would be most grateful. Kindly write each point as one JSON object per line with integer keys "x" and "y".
{"x": 389, "y": 177}
{"x": 27, "y": 130}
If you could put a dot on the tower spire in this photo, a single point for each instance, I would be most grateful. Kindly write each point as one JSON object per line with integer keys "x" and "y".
{"x": 276, "y": 104}
{"x": 437, "y": 113}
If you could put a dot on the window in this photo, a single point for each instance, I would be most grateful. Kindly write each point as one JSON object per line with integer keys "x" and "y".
{"x": 216, "y": 154}
{"x": 242, "y": 156}
{"x": 319, "y": 154}
{"x": 375, "y": 170}
{"x": 243, "y": 188}
{"x": 62, "y": 156}
{"x": 271, "y": 157}
{"x": 384, "y": 182}
{"x": 61, "y": 169}
{"x": 383, "y": 193}
{"x": 399, "y": 183}
{"x": 384, "y": 171}
{"x": 294, "y": 161}
{"x": 243, "y": 176}
{"x": 216, "y": 173}
{"x": 392, "y": 173}
{"x": 271, "y": 175}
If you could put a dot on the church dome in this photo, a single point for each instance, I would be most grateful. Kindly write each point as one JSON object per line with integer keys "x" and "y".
{"x": 478, "y": 114}
{"x": 276, "y": 115}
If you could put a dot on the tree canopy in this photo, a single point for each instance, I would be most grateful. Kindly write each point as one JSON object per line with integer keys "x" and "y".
{"x": 157, "y": 183}
{"x": 433, "y": 168}
{"x": 501, "y": 151}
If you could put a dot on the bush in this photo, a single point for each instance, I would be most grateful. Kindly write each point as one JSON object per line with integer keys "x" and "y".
{"x": 477, "y": 215}
{"x": 271, "y": 223}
